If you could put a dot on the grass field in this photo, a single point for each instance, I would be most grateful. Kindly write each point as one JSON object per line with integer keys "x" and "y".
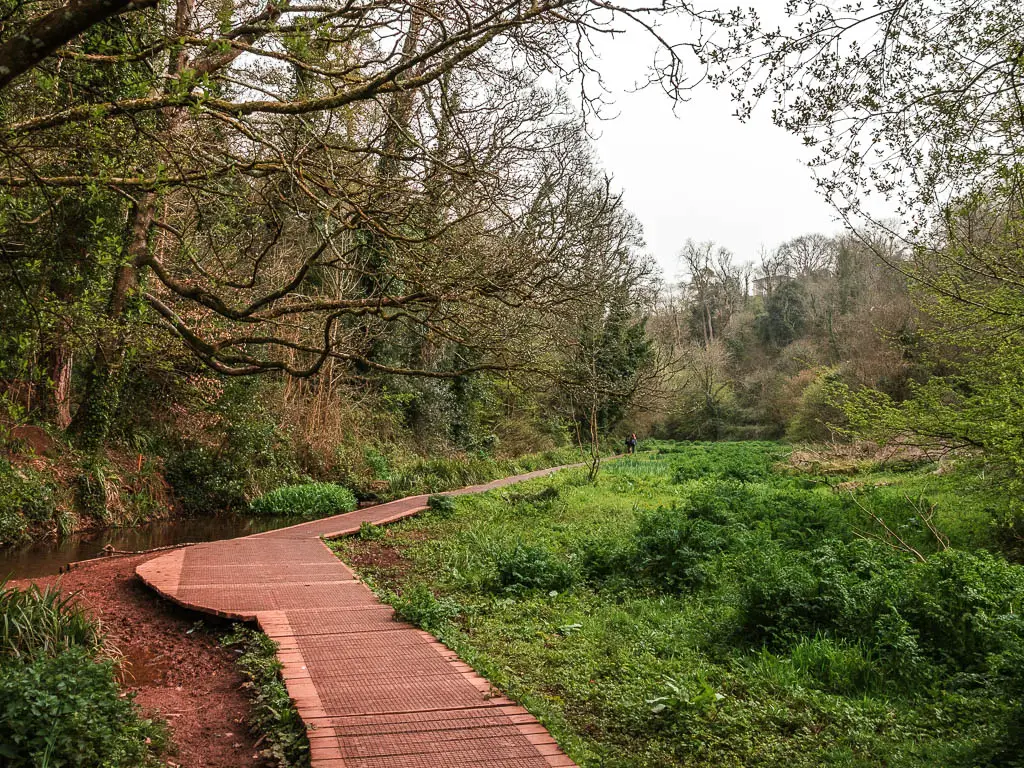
{"x": 706, "y": 604}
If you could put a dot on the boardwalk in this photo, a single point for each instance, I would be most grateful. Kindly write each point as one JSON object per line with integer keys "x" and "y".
{"x": 375, "y": 692}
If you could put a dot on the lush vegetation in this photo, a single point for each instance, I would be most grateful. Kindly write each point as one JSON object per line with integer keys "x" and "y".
{"x": 373, "y": 254}
{"x": 310, "y": 500}
{"x": 273, "y": 715}
{"x": 713, "y": 604}
{"x": 60, "y": 704}
{"x": 448, "y": 276}
{"x": 255, "y": 469}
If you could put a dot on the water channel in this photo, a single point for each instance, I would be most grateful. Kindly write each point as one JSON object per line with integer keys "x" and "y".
{"x": 45, "y": 558}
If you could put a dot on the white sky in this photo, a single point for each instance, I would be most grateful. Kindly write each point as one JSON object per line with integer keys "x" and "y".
{"x": 700, "y": 173}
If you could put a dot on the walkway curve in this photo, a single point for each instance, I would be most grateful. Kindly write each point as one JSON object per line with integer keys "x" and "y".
{"x": 373, "y": 691}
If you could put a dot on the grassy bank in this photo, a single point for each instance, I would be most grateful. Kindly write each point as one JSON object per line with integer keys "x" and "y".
{"x": 709, "y": 605}
{"x": 56, "y": 495}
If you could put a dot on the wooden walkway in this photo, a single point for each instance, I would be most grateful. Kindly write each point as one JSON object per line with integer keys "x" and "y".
{"x": 374, "y": 691}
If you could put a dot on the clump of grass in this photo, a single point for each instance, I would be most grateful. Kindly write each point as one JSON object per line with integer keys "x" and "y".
{"x": 370, "y": 532}
{"x": 273, "y": 716}
{"x": 42, "y": 622}
{"x": 418, "y": 605}
{"x": 309, "y": 500}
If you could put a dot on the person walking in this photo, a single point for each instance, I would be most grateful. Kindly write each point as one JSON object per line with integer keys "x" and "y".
{"x": 631, "y": 442}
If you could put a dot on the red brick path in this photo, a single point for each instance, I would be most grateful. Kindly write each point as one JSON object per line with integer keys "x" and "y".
{"x": 376, "y": 692}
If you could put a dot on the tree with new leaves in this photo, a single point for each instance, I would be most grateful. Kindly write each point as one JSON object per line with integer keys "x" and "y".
{"x": 918, "y": 103}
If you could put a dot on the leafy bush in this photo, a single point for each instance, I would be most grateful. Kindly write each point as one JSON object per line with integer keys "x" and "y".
{"x": 957, "y": 608}
{"x": 441, "y": 506}
{"x": 13, "y": 527}
{"x": 601, "y": 559}
{"x": 252, "y": 456}
{"x": 676, "y": 545}
{"x": 420, "y": 606}
{"x": 963, "y": 606}
{"x": 273, "y": 716}
{"x": 676, "y": 550}
{"x": 203, "y": 483}
{"x": 309, "y": 500}
{"x": 36, "y": 623}
{"x": 66, "y": 710}
{"x": 524, "y": 568}
{"x": 370, "y": 532}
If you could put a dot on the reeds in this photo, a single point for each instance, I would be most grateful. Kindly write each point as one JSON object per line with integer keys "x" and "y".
{"x": 36, "y": 622}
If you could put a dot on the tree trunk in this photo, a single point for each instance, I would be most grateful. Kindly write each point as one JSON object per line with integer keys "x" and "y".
{"x": 103, "y": 392}
{"x": 61, "y": 362}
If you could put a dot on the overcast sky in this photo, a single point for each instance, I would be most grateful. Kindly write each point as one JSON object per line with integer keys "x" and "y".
{"x": 700, "y": 172}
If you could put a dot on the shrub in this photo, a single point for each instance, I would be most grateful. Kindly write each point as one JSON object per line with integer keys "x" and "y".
{"x": 963, "y": 606}
{"x": 370, "y": 532}
{"x": 1008, "y": 676}
{"x": 677, "y": 545}
{"x": 13, "y": 527}
{"x": 273, "y": 716}
{"x": 203, "y": 483}
{"x": 779, "y": 596}
{"x": 797, "y": 517}
{"x": 605, "y": 558}
{"x": 524, "y": 568}
{"x": 420, "y": 606}
{"x": 66, "y": 710}
{"x": 837, "y": 588}
{"x": 441, "y": 506}
{"x": 252, "y": 456}
{"x": 956, "y": 609}
{"x": 310, "y": 500}
{"x": 59, "y": 700}
{"x": 25, "y": 497}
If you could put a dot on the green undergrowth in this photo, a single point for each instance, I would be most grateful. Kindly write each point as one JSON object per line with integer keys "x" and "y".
{"x": 273, "y": 716}
{"x": 433, "y": 475}
{"x": 60, "y": 704}
{"x": 704, "y": 604}
{"x": 309, "y": 500}
{"x": 26, "y": 498}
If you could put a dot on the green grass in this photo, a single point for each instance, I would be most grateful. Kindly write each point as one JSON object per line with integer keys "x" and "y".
{"x": 706, "y": 605}
{"x": 442, "y": 474}
{"x": 308, "y": 500}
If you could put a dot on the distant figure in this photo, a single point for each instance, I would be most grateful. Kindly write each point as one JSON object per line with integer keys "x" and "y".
{"x": 631, "y": 443}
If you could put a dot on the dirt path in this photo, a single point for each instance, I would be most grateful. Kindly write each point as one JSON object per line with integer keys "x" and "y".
{"x": 176, "y": 668}
{"x": 376, "y": 692}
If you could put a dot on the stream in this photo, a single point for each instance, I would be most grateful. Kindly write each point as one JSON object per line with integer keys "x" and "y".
{"x": 46, "y": 558}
